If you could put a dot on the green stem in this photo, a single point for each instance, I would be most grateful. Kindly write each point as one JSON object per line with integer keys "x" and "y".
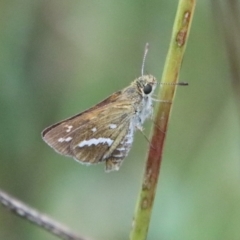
{"x": 170, "y": 75}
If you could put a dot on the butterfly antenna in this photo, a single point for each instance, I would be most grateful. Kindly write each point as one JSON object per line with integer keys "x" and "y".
{"x": 177, "y": 83}
{"x": 144, "y": 57}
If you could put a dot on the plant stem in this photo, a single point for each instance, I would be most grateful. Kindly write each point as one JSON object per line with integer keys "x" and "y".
{"x": 170, "y": 75}
{"x": 39, "y": 219}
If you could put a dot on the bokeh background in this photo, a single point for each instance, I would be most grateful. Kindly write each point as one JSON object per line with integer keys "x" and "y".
{"x": 59, "y": 58}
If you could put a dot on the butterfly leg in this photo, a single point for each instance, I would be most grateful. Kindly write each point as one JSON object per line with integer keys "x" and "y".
{"x": 157, "y": 126}
{"x": 141, "y": 130}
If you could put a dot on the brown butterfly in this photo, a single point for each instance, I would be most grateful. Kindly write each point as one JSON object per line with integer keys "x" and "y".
{"x": 104, "y": 133}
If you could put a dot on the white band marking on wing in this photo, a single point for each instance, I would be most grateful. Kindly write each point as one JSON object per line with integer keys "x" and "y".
{"x": 95, "y": 141}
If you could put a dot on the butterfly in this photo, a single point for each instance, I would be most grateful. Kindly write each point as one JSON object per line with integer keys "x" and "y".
{"x": 104, "y": 133}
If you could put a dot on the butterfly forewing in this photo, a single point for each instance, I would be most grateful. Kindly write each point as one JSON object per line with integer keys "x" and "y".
{"x": 63, "y": 131}
{"x": 88, "y": 141}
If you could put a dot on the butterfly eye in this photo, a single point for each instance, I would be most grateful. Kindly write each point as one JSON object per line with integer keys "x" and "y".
{"x": 147, "y": 89}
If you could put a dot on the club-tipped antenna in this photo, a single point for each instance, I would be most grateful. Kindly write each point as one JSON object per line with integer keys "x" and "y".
{"x": 144, "y": 57}
{"x": 177, "y": 83}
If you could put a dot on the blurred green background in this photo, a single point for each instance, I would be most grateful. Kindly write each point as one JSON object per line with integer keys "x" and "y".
{"x": 59, "y": 58}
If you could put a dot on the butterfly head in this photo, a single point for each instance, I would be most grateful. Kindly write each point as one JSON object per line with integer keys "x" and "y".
{"x": 146, "y": 84}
